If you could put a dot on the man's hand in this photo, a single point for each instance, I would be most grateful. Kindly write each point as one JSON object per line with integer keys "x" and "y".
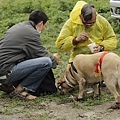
{"x": 57, "y": 57}
{"x": 99, "y": 48}
{"x": 80, "y": 38}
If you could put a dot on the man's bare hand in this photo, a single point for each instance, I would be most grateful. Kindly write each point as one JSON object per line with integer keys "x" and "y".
{"x": 57, "y": 57}
{"x": 82, "y": 37}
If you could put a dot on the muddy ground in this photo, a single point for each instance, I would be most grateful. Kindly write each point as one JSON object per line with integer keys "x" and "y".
{"x": 66, "y": 111}
{"x": 52, "y": 111}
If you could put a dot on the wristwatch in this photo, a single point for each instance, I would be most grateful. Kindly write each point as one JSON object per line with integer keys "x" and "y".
{"x": 101, "y": 48}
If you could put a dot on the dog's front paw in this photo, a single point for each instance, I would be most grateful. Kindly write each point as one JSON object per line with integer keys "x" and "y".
{"x": 115, "y": 106}
{"x": 78, "y": 99}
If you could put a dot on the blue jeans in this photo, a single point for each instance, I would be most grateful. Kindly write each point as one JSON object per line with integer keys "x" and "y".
{"x": 30, "y": 72}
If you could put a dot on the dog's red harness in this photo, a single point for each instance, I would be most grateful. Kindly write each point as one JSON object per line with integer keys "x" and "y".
{"x": 98, "y": 65}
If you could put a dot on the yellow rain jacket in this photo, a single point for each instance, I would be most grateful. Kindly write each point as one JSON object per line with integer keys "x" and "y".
{"x": 101, "y": 33}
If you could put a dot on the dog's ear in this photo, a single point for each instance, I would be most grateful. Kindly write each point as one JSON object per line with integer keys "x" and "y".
{"x": 58, "y": 83}
{"x": 60, "y": 80}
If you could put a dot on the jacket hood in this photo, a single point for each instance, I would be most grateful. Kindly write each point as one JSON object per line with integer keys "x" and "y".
{"x": 74, "y": 15}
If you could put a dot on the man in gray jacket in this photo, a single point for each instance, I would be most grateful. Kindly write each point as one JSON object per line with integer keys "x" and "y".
{"x": 23, "y": 57}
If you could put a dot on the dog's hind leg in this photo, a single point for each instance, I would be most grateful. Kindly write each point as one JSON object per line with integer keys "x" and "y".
{"x": 118, "y": 88}
{"x": 81, "y": 83}
{"x": 111, "y": 85}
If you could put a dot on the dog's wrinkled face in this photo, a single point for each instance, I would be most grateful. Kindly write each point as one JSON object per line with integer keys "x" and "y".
{"x": 62, "y": 85}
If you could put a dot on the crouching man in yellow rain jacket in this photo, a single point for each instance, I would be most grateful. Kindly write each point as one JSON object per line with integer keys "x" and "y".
{"x": 84, "y": 26}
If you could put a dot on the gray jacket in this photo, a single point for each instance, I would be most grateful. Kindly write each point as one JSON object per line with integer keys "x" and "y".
{"x": 21, "y": 42}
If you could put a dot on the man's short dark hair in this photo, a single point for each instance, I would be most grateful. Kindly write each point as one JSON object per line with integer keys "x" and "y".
{"x": 87, "y": 12}
{"x": 38, "y": 16}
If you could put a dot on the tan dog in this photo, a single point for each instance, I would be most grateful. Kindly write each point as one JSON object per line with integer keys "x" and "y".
{"x": 83, "y": 71}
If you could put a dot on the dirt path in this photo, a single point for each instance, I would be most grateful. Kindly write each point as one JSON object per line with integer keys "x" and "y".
{"x": 68, "y": 111}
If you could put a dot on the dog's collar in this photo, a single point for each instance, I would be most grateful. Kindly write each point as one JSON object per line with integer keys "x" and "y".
{"x": 68, "y": 83}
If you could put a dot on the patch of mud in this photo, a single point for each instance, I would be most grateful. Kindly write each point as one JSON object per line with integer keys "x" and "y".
{"x": 66, "y": 112}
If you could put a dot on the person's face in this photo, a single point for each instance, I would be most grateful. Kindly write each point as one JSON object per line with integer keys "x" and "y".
{"x": 89, "y": 23}
{"x": 43, "y": 26}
